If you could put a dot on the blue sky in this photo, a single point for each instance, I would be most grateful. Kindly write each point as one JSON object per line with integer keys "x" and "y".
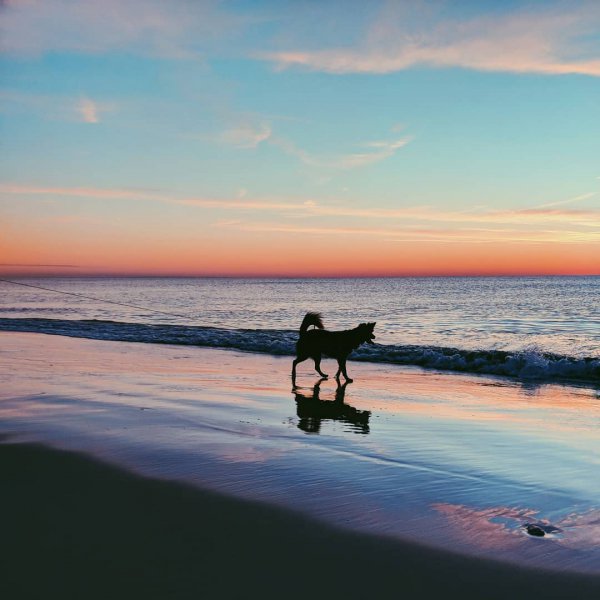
{"x": 448, "y": 125}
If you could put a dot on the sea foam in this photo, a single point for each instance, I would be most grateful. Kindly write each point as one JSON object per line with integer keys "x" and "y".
{"x": 523, "y": 364}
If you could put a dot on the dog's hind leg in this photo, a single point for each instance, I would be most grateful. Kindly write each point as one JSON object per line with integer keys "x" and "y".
{"x": 342, "y": 370}
{"x": 297, "y": 360}
{"x": 318, "y": 366}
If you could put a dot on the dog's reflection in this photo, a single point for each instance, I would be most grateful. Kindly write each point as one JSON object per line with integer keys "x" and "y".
{"x": 312, "y": 410}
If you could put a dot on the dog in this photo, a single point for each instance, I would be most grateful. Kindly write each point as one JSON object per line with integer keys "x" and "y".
{"x": 315, "y": 342}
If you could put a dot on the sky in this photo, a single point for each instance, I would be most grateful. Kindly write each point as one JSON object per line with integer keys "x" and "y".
{"x": 299, "y": 138}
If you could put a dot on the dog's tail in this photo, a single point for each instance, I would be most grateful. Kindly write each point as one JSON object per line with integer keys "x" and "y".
{"x": 311, "y": 318}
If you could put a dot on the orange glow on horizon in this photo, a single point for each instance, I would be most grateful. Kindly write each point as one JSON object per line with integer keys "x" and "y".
{"x": 292, "y": 256}
{"x": 167, "y": 237}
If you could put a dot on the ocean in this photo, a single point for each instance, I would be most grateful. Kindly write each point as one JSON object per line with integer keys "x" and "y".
{"x": 544, "y": 328}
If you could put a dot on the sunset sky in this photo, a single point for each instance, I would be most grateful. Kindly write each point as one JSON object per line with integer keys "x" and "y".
{"x": 299, "y": 138}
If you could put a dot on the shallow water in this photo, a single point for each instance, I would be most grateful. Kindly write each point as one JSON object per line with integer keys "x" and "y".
{"x": 527, "y": 328}
{"x": 560, "y": 315}
{"x": 456, "y": 461}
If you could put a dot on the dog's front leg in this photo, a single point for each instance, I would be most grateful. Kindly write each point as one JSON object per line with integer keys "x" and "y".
{"x": 342, "y": 363}
{"x": 339, "y": 372}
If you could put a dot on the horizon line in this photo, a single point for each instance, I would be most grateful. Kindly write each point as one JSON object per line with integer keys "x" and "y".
{"x": 135, "y": 275}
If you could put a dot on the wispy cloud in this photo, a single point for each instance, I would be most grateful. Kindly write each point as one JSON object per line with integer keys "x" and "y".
{"x": 243, "y": 205}
{"x": 249, "y": 131}
{"x": 550, "y": 39}
{"x": 80, "y": 192}
{"x": 373, "y": 152}
{"x": 70, "y": 219}
{"x": 89, "y": 111}
{"x": 55, "y": 107}
{"x": 148, "y": 27}
{"x": 246, "y": 135}
{"x": 524, "y": 224}
{"x": 411, "y": 234}
{"x": 579, "y": 198}
{"x": 38, "y": 265}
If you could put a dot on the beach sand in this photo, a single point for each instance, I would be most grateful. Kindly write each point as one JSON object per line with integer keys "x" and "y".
{"x": 77, "y": 528}
{"x": 137, "y": 470}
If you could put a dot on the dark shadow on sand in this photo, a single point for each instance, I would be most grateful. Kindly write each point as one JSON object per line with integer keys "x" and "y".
{"x": 77, "y": 528}
{"x": 312, "y": 411}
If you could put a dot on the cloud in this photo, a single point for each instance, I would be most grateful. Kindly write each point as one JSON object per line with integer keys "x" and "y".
{"x": 579, "y": 198}
{"x": 36, "y": 265}
{"x": 177, "y": 29}
{"x": 412, "y": 234}
{"x": 81, "y": 192}
{"x": 245, "y": 205}
{"x": 88, "y": 110}
{"x": 313, "y": 230}
{"x": 547, "y": 38}
{"x": 374, "y": 152}
{"x": 55, "y": 107}
{"x": 249, "y": 131}
{"x": 70, "y": 219}
{"x": 311, "y": 208}
{"x": 524, "y": 217}
{"x": 550, "y": 40}
{"x": 246, "y": 135}
{"x": 377, "y": 151}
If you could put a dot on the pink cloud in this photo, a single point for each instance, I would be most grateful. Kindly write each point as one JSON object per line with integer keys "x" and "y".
{"x": 528, "y": 224}
{"x": 411, "y": 234}
{"x": 545, "y": 41}
{"x": 89, "y": 111}
{"x": 58, "y": 107}
{"x": 148, "y": 27}
{"x": 82, "y": 192}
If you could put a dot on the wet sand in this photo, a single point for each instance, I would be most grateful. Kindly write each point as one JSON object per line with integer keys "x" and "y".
{"x": 74, "y": 527}
{"x": 202, "y": 472}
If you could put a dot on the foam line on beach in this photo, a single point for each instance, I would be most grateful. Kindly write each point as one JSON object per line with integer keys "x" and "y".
{"x": 519, "y": 364}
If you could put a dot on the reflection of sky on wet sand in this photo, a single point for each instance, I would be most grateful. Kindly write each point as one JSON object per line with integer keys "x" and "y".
{"x": 505, "y": 528}
{"x": 495, "y": 527}
{"x": 450, "y": 460}
{"x": 582, "y": 530}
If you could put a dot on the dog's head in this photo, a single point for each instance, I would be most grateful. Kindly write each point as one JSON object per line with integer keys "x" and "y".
{"x": 366, "y": 331}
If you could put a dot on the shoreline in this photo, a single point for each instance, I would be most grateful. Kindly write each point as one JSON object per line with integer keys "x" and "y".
{"x": 102, "y": 530}
{"x": 520, "y": 365}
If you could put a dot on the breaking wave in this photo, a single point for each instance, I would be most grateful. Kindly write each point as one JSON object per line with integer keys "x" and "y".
{"x": 525, "y": 365}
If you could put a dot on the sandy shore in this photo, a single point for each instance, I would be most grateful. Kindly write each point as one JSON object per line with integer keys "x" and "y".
{"x": 77, "y": 528}
{"x": 195, "y": 471}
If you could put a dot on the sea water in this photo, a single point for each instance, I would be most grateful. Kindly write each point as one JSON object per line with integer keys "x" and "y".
{"x": 524, "y": 327}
